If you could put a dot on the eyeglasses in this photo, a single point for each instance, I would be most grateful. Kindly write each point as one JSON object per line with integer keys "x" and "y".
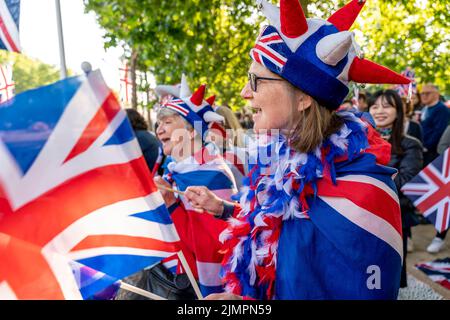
{"x": 253, "y": 79}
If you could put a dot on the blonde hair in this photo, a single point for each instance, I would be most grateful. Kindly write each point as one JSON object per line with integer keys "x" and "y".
{"x": 313, "y": 125}
{"x": 232, "y": 123}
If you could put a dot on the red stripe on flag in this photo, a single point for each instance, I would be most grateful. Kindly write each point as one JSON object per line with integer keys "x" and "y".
{"x": 26, "y": 271}
{"x": 256, "y": 56}
{"x": 126, "y": 241}
{"x": 95, "y": 128}
{"x": 8, "y": 37}
{"x": 385, "y": 207}
{"x": 182, "y": 110}
{"x": 434, "y": 198}
{"x": 270, "y": 54}
{"x": 444, "y": 219}
{"x": 264, "y": 40}
{"x": 433, "y": 177}
{"x": 42, "y": 219}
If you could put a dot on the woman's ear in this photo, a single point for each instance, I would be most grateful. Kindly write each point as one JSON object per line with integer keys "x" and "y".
{"x": 304, "y": 102}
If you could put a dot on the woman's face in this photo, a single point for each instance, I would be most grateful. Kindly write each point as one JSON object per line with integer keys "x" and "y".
{"x": 273, "y": 102}
{"x": 383, "y": 112}
{"x": 171, "y": 132}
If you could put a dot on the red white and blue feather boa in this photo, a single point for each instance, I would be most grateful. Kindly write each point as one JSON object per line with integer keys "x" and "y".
{"x": 273, "y": 192}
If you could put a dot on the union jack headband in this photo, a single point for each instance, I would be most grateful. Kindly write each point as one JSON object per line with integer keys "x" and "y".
{"x": 195, "y": 109}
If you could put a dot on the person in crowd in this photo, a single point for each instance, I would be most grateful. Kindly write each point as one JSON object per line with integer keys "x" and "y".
{"x": 148, "y": 142}
{"x": 247, "y": 122}
{"x": 300, "y": 230}
{"x": 229, "y": 138}
{"x": 347, "y": 105}
{"x": 183, "y": 126}
{"x": 411, "y": 127}
{"x": 434, "y": 120}
{"x": 363, "y": 102}
{"x": 439, "y": 240}
{"x": 387, "y": 109}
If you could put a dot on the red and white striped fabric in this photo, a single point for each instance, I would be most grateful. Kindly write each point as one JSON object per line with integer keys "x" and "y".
{"x": 9, "y": 25}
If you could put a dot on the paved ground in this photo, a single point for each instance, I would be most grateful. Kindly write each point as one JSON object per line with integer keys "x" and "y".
{"x": 419, "y": 285}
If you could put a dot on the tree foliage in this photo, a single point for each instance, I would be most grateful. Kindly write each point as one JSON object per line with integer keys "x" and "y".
{"x": 210, "y": 40}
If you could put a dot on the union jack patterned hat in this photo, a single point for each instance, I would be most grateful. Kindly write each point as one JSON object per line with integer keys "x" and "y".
{"x": 318, "y": 56}
{"x": 195, "y": 109}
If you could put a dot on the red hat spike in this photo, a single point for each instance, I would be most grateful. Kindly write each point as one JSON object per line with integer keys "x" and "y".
{"x": 293, "y": 20}
{"x": 220, "y": 128}
{"x": 366, "y": 71}
{"x": 344, "y": 18}
{"x": 211, "y": 100}
{"x": 199, "y": 95}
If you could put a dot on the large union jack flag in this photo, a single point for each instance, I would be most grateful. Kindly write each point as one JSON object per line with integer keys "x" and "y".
{"x": 74, "y": 190}
{"x": 430, "y": 191}
{"x": 9, "y": 25}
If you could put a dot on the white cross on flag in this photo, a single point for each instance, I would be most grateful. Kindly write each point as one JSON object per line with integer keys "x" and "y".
{"x": 7, "y": 85}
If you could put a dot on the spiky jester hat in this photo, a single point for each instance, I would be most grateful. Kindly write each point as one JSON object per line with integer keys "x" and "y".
{"x": 318, "y": 56}
{"x": 192, "y": 107}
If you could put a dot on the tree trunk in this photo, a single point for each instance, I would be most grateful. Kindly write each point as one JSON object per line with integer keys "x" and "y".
{"x": 147, "y": 107}
{"x": 133, "y": 63}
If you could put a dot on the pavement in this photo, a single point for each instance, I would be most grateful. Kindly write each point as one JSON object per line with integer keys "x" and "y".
{"x": 420, "y": 287}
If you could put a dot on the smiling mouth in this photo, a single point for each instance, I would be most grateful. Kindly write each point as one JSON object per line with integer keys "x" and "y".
{"x": 164, "y": 140}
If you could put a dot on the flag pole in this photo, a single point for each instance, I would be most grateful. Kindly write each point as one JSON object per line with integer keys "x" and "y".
{"x": 190, "y": 275}
{"x": 147, "y": 294}
{"x": 62, "y": 55}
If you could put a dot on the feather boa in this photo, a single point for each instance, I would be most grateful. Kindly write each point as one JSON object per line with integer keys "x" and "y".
{"x": 275, "y": 191}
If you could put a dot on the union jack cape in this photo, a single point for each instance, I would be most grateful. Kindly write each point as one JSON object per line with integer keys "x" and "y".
{"x": 75, "y": 191}
{"x": 199, "y": 233}
{"x": 322, "y": 225}
{"x": 430, "y": 191}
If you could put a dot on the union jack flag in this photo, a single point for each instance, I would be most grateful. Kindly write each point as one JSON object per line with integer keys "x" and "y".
{"x": 430, "y": 191}
{"x": 270, "y": 49}
{"x": 9, "y": 25}
{"x": 74, "y": 187}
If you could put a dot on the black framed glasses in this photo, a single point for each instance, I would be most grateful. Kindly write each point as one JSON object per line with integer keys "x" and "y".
{"x": 253, "y": 79}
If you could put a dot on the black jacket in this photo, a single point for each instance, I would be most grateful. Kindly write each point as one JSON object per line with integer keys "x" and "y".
{"x": 408, "y": 164}
{"x": 149, "y": 145}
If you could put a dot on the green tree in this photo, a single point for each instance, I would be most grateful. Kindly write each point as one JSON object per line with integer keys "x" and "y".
{"x": 210, "y": 40}
{"x": 29, "y": 73}
{"x": 207, "y": 40}
{"x": 402, "y": 33}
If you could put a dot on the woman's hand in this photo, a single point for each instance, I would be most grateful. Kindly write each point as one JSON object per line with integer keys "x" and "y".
{"x": 223, "y": 296}
{"x": 204, "y": 199}
{"x": 169, "y": 197}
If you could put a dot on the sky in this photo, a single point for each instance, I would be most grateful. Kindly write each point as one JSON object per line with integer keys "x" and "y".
{"x": 82, "y": 38}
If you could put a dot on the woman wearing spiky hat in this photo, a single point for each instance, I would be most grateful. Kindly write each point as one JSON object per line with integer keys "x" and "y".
{"x": 184, "y": 122}
{"x": 319, "y": 217}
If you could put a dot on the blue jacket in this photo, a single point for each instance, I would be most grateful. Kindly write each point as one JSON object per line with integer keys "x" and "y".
{"x": 434, "y": 125}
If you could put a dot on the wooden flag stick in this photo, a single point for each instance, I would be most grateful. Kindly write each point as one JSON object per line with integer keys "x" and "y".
{"x": 190, "y": 275}
{"x": 147, "y": 294}
{"x": 161, "y": 187}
